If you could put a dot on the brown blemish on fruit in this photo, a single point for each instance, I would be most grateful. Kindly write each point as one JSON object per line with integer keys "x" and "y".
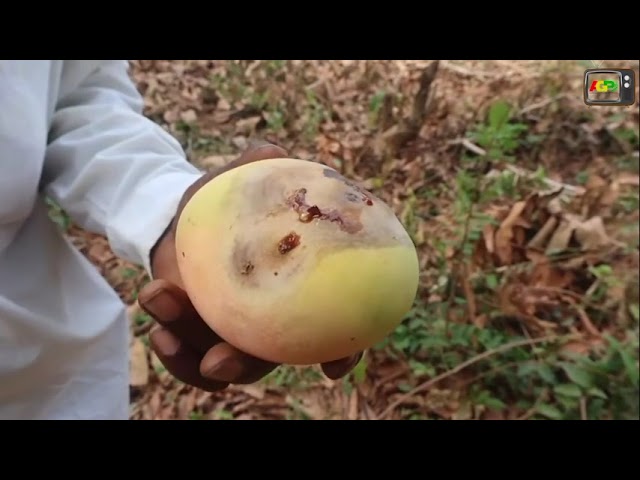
{"x": 247, "y": 268}
{"x": 364, "y": 195}
{"x": 352, "y": 197}
{"x": 183, "y": 255}
{"x": 243, "y": 264}
{"x": 288, "y": 243}
{"x": 307, "y": 212}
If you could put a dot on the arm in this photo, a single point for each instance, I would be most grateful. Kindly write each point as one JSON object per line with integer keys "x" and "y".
{"x": 114, "y": 171}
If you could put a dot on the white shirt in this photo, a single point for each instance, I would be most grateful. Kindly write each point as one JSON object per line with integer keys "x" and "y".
{"x": 73, "y": 130}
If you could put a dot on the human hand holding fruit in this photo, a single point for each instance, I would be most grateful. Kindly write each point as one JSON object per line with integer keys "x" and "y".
{"x": 186, "y": 345}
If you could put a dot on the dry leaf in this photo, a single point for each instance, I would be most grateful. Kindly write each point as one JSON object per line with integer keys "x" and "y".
{"x": 256, "y": 391}
{"x": 591, "y": 234}
{"x": 540, "y": 238}
{"x": 504, "y": 234}
{"x": 481, "y": 321}
{"x": 629, "y": 179}
{"x": 549, "y": 276}
{"x": 561, "y": 238}
{"x": 488, "y": 233}
{"x": 189, "y": 116}
{"x": 138, "y": 365}
{"x": 215, "y": 161}
{"x": 353, "y": 406}
{"x": 493, "y": 415}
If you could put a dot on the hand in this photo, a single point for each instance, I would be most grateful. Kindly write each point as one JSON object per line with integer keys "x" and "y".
{"x": 183, "y": 342}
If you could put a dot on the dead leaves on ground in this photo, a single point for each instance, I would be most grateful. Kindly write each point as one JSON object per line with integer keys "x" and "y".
{"x": 545, "y": 247}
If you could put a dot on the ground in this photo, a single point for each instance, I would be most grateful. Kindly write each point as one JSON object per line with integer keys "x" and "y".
{"x": 522, "y": 202}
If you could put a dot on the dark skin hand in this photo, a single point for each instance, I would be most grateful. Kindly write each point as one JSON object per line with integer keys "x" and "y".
{"x": 183, "y": 342}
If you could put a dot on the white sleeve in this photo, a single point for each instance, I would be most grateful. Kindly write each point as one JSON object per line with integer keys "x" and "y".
{"x": 113, "y": 170}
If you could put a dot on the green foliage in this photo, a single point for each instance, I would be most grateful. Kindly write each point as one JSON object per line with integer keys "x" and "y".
{"x": 603, "y": 385}
{"x": 499, "y": 137}
{"x": 57, "y": 214}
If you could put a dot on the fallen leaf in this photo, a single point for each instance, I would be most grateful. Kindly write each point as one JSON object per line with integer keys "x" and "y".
{"x": 488, "y": 233}
{"x": 138, "y": 365}
{"x": 550, "y": 276}
{"x": 540, "y": 238}
{"x": 189, "y": 116}
{"x": 629, "y": 179}
{"x": 561, "y": 237}
{"x": 591, "y": 235}
{"x": 215, "y": 161}
{"x": 481, "y": 321}
{"x": 255, "y": 391}
{"x": 599, "y": 195}
{"x": 504, "y": 234}
{"x": 493, "y": 415}
{"x": 353, "y": 406}
{"x": 100, "y": 251}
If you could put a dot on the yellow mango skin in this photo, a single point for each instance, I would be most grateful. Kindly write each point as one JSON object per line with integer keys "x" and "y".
{"x": 343, "y": 286}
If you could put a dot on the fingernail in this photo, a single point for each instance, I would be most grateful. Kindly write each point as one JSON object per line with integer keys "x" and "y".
{"x": 165, "y": 342}
{"x": 355, "y": 360}
{"x": 162, "y": 306}
{"x": 227, "y": 370}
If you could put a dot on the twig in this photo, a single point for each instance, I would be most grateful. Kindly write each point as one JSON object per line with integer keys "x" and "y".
{"x": 468, "y": 292}
{"x": 472, "y": 147}
{"x": 583, "y": 408}
{"x": 543, "y": 103}
{"x": 503, "y": 348}
{"x": 584, "y": 318}
{"x": 551, "y": 183}
{"x": 534, "y": 409}
{"x": 466, "y": 72}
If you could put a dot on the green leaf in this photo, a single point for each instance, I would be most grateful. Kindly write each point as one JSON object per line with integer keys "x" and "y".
{"x": 578, "y": 375}
{"x": 549, "y": 411}
{"x": 499, "y": 114}
{"x": 419, "y": 369}
{"x": 492, "y": 281}
{"x": 596, "y": 392}
{"x": 635, "y": 311}
{"x": 630, "y": 364}
{"x": 360, "y": 370}
{"x": 527, "y": 369}
{"x": 568, "y": 390}
{"x": 494, "y": 403}
{"x": 546, "y": 373}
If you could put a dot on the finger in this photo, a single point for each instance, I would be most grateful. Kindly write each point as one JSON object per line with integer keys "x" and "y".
{"x": 170, "y": 306}
{"x": 259, "y": 151}
{"x": 339, "y": 368}
{"x": 226, "y": 363}
{"x": 182, "y": 362}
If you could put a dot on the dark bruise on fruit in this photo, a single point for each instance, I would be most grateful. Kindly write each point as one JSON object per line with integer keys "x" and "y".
{"x": 244, "y": 265}
{"x": 307, "y": 213}
{"x": 288, "y": 243}
{"x": 247, "y": 268}
{"x": 352, "y": 197}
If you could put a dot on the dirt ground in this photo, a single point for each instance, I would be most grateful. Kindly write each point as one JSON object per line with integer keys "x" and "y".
{"x": 522, "y": 202}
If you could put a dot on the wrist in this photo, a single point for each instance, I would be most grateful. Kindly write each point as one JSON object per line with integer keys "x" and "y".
{"x": 161, "y": 253}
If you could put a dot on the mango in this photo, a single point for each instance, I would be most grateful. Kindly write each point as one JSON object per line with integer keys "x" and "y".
{"x": 292, "y": 263}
